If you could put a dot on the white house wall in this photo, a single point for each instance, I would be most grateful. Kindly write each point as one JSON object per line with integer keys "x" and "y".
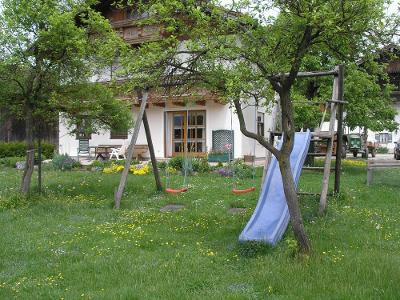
{"x": 217, "y": 117}
{"x": 68, "y": 144}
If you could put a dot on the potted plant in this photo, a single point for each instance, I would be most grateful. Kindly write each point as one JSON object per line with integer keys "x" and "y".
{"x": 220, "y": 155}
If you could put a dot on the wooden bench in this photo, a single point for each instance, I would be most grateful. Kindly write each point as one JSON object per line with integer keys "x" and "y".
{"x": 380, "y": 164}
{"x": 139, "y": 151}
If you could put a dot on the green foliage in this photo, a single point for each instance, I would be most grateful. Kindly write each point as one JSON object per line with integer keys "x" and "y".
{"x": 382, "y": 150}
{"x": 10, "y": 161}
{"x": 49, "y": 51}
{"x": 75, "y": 210}
{"x": 307, "y": 115}
{"x": 176, "y": 162}
{"x": 242, "y": 53}
{"x": 14, "y": 201}
{"x": 369, "y": 104}
{"x": 64, "y": 162}
{"x": 162, "y": 165}
{"x": 241, "y": 169}
{"x": 200, "y": 165}
{"x": 13, "y": 149}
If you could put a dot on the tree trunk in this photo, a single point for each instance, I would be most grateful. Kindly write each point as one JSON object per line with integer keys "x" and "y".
{"x": 365, "y": 141}
{"x": 289, "y": 186}
{"x": 152, "y": 154}
{"x": 30, "y": 154}
{"x": 293, "y": 205}
{"x": 283, "y": 157}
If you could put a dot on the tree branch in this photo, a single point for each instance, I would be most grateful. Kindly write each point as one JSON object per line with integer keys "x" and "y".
{"x": 252, "y": 135}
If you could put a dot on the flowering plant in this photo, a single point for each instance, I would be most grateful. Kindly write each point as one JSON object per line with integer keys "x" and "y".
{"x": 140, "y": 169}
{"x": 225, "y": 172}
{"x": 114, "y": 168}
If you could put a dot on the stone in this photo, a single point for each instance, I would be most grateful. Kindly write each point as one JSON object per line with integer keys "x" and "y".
{"x": 237, "y": 210}
{"x": 20, "y": 165}
{"x": 172, "y": 207}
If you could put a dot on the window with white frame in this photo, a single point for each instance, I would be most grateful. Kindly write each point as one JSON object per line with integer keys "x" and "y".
{"x": 383, "y": 138}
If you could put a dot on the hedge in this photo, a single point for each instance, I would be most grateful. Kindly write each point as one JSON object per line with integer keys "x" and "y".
{"x": 18, "y": 149}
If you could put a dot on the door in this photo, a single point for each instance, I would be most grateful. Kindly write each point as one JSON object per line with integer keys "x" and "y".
{"x": 178, "y": 133}
{"x": 188, "y": 133}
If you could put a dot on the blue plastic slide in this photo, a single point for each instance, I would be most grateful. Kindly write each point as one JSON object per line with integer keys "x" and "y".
{"x": 271, "y": 216}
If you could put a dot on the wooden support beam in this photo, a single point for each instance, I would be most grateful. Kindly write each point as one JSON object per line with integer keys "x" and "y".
{"x": 339, "y": 146}
{"x": 138, "y": 105}
{"x": 201, "y": 102}
{"x": 124, "y": 175}
{"x": 159, "y": 104}
{"x": 328, "y": 158}
{"x": 179, "y": 103}
{"x": 315, "y": 74}
{"x": 152, "y": 154}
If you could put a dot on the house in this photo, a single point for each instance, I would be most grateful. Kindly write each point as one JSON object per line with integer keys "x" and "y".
{"x": 386, "y": 139}
{"x": 196, "y": 121}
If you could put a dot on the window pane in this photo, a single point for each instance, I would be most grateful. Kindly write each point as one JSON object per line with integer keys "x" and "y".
{"x": 178, "y": 134}
{"x": 192, "y": 119}
{"x": 200, "y": 119}
{"x": 191, "y": 147}
{"x": 178, "y": 121}
{"x": 201, "y": 147}
{"x": 200, "y": 133}
{"x": 192, "y": 133}
{"x": 178, "y": 147}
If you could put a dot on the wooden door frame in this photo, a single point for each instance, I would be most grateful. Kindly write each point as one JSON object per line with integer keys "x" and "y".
{"x": 177, "y": 113}
{"x": 166, "y": 120}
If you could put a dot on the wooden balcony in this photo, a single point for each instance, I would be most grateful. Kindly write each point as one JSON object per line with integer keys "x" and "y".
{"x": 134, "y": 34}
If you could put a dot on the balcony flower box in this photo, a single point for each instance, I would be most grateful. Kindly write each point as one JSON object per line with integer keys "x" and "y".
{"x": 218, "y": 157}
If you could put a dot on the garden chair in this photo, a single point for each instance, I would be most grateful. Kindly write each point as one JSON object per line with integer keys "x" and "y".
{"x": 83, "y": 148}
{"x": 117, "y": 152}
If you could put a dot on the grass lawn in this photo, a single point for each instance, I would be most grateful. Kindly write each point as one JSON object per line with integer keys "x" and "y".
{"x": 71, "y": 244}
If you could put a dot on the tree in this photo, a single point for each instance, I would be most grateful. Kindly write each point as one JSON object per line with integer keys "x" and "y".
{"x": 49, "y": 51}
{"x": 245, "y": 55}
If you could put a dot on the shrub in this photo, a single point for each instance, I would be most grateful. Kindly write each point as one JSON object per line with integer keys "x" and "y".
{"x": 162, "y": 165}
{"x": 243, "y": 171}
{"x": 113, "y": 168}
{"x": 140, "y": 169}
{"x": 237, "y": 168}
{"x": 10, "y": 161}
{"x": 64, "y": 162}
{"x": 200, "y": 165}
{"x": 18, "y": 149}
{"x": 382, "y": 150}
{"x": 225, "y": 172}
{"x": 176, "y": 162}
{"x": 98, "y": 164}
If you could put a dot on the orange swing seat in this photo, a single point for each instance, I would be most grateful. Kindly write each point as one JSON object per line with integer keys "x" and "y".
{"x": 175, "y": 191}
{"x": 244, "y": 191}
